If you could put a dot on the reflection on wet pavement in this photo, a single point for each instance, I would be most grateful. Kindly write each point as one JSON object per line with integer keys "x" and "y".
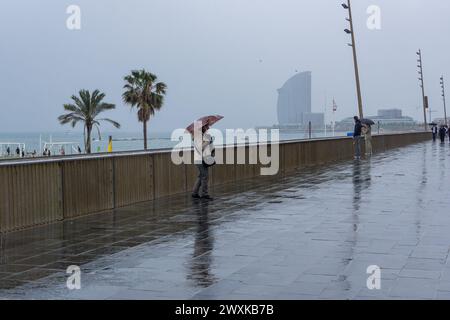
{"x": 310, "y": 235}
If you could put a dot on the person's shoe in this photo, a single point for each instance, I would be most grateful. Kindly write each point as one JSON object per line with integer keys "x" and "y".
{"x": 195, "y": 196}
{"x": 207, "y": 197}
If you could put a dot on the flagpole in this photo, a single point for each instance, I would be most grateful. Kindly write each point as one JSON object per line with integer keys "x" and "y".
{"x": 334, "y": 121}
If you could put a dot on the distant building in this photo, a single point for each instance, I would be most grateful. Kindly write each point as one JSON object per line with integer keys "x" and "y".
{"x": 390, "y": 114}
{"x": 317, "y": 119}
{"x": 294, "y": 102}
{"x": 387, "y": 118}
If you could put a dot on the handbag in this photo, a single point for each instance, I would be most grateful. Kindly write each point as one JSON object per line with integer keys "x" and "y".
{"x": 209, "y": 161}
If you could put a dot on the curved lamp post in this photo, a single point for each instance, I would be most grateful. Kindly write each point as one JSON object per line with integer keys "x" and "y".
{"x": 350, "y": 31}
{"x": 424, "y": 98}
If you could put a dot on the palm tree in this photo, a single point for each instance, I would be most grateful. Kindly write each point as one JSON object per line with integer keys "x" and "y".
{"x": 144, "y": 92}
{"x": 85, "y": 109}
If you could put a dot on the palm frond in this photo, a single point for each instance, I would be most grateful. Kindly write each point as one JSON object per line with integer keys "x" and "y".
{"x": 114, "y": 123}
{"x": 103, "y": 107}
{"x": 160, "y": 88}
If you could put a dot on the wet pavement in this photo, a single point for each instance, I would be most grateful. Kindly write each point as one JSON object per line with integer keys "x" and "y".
{"x": 311, "y": 235}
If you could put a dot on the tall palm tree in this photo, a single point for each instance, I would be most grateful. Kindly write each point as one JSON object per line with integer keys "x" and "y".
{"x": 144, "y": 92}
{"x": 85, "y": 109}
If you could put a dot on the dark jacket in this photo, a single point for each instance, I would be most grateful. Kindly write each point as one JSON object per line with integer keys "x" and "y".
{"x": 357, "y": 130}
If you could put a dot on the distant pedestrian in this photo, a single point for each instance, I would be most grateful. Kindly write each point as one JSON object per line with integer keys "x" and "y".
{"x": 357, "y": 137}
{"x": 18, "y": 151}
{"x": 79, "y": 150}
{"x": 367, "y": 131}
{"x": 205, "y": 148}
{"x": 434, "y": 130}
{"x": 442, "y": 133}
{"x": 23, "y": 153}
{"x": 8, "y": 151}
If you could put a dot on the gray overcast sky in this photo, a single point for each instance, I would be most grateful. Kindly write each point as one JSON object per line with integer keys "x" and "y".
{"x": 216, "y": 56}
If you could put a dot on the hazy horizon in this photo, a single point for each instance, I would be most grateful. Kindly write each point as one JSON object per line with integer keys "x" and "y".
{"x": 226, "y": 57}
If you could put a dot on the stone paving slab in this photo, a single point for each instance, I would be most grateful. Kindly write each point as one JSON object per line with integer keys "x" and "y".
{"x": 310, "y": 235}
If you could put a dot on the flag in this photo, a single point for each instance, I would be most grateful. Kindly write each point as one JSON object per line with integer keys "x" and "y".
{"x": 110, "y": 145}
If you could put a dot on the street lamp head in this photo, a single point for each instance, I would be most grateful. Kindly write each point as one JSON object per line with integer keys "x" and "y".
{"x": 347, "y": 31}
{"x": 344, "y": 6}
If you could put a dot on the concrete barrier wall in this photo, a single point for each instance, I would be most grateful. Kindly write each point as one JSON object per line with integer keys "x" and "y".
{"x": 34, "y": 192}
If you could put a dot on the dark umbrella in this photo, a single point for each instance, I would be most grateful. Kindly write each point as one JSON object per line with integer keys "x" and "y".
{"x": 208, "y": 120}
{"x": 367, "y": 122}
{"x": 432, "y": 124}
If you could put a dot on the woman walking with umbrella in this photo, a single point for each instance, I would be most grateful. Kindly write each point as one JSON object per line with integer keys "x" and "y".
{"x": 203, "y": 154}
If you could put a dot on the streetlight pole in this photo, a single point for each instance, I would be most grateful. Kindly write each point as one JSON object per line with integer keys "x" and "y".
{"x": 355, "y": 59}
{"x": 424, "y": 98}
{"x": 443, "y": 99}
{"x": 429, "y": 114}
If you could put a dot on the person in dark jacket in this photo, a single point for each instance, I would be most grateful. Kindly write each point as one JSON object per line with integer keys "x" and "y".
{"x": 442, "y": 133}
{"x": 357, "y": 137}
{"x": 434, "y": 130}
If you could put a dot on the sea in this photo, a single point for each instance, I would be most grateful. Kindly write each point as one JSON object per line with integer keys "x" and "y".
{"x": 36, "y": 142}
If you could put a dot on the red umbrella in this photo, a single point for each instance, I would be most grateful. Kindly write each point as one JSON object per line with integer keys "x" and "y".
{"x": 207, "y": 120}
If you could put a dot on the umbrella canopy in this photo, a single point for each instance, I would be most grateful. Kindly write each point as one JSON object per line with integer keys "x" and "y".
{"x": 367, "y": 122}
{"x": 432, "y": 124}
{"x": 207, "y": 120}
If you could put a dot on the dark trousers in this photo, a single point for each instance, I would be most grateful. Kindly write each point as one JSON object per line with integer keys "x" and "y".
{"x": 202, "y": 180}
{"x": 357, "y": 143}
